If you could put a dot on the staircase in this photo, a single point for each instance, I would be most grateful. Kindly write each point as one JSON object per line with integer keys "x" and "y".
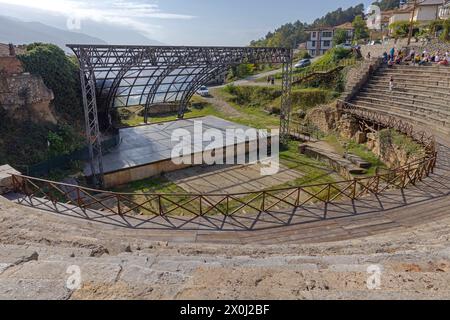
{"x": 421, "y": 95}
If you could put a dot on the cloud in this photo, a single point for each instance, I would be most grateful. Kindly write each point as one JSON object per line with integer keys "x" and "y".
{"x": 132, "y": 14}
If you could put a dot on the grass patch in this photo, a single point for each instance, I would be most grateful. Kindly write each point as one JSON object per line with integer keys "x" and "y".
{"x": 315, "y": 172}
{"x": 254, "y": 115}
{"x": 390, "y": 136}
{"x": 158, "y": 184}
{"x": 359, "y": 150}
{"x": 198, "y": 108}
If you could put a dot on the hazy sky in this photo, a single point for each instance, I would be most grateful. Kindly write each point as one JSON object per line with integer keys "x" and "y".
{"x": 178, "y": 22}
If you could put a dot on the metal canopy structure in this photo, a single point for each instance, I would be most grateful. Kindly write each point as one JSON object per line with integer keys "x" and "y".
{"x": 146, "y": 75}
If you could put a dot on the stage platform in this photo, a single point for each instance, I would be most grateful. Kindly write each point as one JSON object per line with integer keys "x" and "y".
{"x": 145, "y": 151}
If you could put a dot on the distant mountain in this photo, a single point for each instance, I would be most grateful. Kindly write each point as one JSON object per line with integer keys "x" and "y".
{"x": 20, "y": 32}
{"x": 116, "y": 34}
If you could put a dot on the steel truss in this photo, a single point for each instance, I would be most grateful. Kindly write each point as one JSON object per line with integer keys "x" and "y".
{"x": 145, "y": 75}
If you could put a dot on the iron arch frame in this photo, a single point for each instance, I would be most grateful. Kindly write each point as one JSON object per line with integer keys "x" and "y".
{"x": 139, "y": 74}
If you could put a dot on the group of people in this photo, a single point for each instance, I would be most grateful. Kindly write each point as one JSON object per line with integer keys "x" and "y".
{"x": 271, "y": 80}
{"x": 426, "y": 58}
{"x": 394, "y": 56}
{"x": 401, "y": 56}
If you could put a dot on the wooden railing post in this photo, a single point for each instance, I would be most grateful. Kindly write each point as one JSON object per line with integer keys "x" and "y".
{"x": 263, "y": 204}
{"x": 119, "y": 209}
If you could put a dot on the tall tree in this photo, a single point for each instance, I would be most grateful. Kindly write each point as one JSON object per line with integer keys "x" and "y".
{"x": 340, "y": 37}
{"x": 361, "y": 29}
{"x": 387, "y": 4}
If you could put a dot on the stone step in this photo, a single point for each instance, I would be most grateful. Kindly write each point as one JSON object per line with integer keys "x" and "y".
{"x": 410, "y": 104}
{"x": 419, "y": 74}
{"x": 358, "y": 161}
{"x": 153, "y": 273}
{"x": 408, "y": 116}
{"x": 439, "y": 83}
{"x": 14, "y": 255}
{"x": 399, "y": 92}
{"x": 406, "y": 79}
{"x": 412, "y": 89}
{"x": 334, "y": 158}
{"x": 440, "y": 117}
{"x": 420, "y": 69}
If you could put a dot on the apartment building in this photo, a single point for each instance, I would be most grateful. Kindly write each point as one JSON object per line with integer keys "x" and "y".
{"x": 321, "y": 38}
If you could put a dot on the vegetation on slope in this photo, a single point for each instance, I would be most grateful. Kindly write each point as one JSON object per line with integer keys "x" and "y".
{"x": 24, "y": 143}
{"x": 60, "y": 74}
{"x": 387, "y": 4}
{"x": 268, "y": 99}
{"x": 292, "y": 34}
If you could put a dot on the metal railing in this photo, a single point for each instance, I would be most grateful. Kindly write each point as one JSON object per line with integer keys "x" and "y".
{"x": 189, "y": 204}
{"x": 425, "y": 139}
{"x": 250, "y": 204}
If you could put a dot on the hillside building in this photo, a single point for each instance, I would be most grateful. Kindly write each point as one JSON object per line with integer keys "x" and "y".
{"x": 321, "y": 38}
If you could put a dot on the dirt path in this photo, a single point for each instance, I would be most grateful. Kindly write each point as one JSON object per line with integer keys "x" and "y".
{"x": 221, "y": 105}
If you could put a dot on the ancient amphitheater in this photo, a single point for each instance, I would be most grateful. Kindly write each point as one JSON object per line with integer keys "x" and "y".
{"x": 280, "y": 248}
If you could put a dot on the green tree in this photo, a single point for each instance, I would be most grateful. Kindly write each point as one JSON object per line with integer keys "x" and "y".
{"x": 445, "y": 35}
{"x": 361, "y": 30}
{"x": 340, "y": 16}
{"x": 63, "y": 141}
{"x": 340, "y": 37}
{"x": 400, "y": 29}
{"x": 60, "y": 73}
{"x": 433, "y": 27}
{"x": 387, "y": 4}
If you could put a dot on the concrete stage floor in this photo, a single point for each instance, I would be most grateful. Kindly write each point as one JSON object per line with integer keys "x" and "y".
{"x": 152, "y": 143}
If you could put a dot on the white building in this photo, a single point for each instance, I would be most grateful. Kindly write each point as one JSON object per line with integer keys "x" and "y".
{"x": 321, "y": 39}
{"x": 444, "y": 11}
{"x": 426, "y": 11}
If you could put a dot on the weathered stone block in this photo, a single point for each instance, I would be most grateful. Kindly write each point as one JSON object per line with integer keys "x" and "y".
{"x": 360, "y": 137}
{"x": 6, "y": 182}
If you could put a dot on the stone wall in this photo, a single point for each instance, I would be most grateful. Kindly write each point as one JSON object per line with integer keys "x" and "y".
{"x": 5, "y": 49}
{"x": 6, "y": 181}
{"x": 328, "y": 120}
{"x": 377, "y": 50}
{"x": 348, "y": 127}
{"x": 10, "y": 65}
{"x": 391, "y": 154}
{"x": 358, "y": 76}
{"x": 325, "y": 118}
{"x": 432, "y": 46}
{"x": 25, "y": 96}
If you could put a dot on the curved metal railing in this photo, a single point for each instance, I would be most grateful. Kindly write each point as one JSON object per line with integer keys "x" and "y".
{"x": 251, "y": 204}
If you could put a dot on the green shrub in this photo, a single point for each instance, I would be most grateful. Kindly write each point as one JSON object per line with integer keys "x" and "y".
{"x": 311, "y": 97}
{"x": 249, "y": 96}
{"x": 400, "y": 29}
{"x": 445, "y": 35}
{"x": 63, "y": 141}
{"x": 390, "y": 136}
{"x": 60, "y": 73}
{"x": 340, "y": 37}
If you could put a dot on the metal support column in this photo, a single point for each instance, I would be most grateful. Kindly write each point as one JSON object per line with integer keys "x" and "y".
{"x": 285, "y": 111}
{"x": 91, "y": 119}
